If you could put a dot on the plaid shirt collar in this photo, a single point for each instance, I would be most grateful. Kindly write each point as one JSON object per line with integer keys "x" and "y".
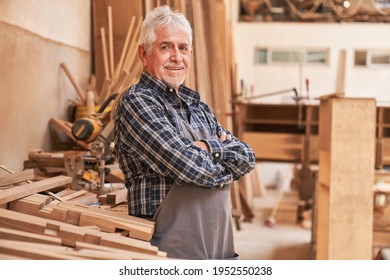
{"x": 185, "y": 93}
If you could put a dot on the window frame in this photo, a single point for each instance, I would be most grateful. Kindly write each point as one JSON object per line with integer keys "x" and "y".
{"x": 294, "y": 52}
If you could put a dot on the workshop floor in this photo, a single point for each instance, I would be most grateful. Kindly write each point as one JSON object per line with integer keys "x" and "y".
{"x": 283, "y": 241}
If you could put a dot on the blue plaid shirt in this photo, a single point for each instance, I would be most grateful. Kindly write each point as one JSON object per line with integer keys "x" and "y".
{"x": 153, "y": 152}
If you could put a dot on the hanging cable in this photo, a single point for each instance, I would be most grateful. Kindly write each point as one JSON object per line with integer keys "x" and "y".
{"x": 304, "y": 15}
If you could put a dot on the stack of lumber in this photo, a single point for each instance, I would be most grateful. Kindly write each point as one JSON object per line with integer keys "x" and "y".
{"x": 117, "y": 77}
{"x": 46, "y": 219}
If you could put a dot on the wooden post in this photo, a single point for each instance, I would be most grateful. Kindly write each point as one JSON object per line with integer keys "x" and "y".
{"x": 105, "y": 58}
{"x": 344, "y": 192}
{"x": 111, "y": 39}
{"x": 79, "y": 92}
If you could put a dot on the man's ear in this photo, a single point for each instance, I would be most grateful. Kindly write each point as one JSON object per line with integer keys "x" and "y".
{"x": 142, "y": 54}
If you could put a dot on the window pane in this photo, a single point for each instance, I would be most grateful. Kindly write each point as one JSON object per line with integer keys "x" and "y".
{"x": 360, "y": 58}
{"x": 285, "y": 56}
{"x": 317, "y": 57}
{"x": 261, "y": 56}
{"x": 380, "y": 57}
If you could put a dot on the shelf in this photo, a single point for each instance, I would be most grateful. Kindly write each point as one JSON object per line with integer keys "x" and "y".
{"x": 300, "y": 120}
{"x": 278, "y": 132}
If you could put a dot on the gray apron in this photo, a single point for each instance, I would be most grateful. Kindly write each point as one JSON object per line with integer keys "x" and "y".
{"x": 194, "y": 222}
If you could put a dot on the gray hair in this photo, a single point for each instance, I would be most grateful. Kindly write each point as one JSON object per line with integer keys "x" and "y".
{"x": 162, "y": 16}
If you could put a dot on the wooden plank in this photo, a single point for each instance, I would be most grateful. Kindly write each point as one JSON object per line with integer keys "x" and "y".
{"x": 11, "y": 257}
{"x": 105, "y": 55}
{"x": 135, "y": 231}
{"x": 29, "y": 204}
{"x": 275, "y": 146}
{"x": 111, "y": 222}
{"x": 349, "y": 177}
{"x": 73, "y": 195}
{"x": 215, "y": 38}
{"x": 125, "y": 47}
{"x": 115, "y": 175}
{"x": 35, "y": 251}
{"x": 19, "y": 235}
{"x": 17, "y": 177}
{"x": 106, "y": 220}
{"x": 85, "y": 199}
{"x": 118, "y": 253}
{"x": 108, "y": 239}
{"x": 15, "y": 220}
{"x": 110, "y": 39}
{"x": 340, "y": 84}
{"x": 79, "y": 91}
{"x": 113, "y": 215}
{"x": 25, "y": 190}
{"x": 236, "y": 205}
{"x": 56, "y": 213}
{"x": 122, "y": 14}
{"x": 117, "y": 197}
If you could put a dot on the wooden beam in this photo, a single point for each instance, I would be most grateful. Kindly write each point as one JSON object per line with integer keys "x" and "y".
{"x": 25, "y": 190}
{"x": 17, "y": 177}
{"x": 110, "y": 39}
{"x": 117, "y": 197}
{"x": 79, "y": 92}
{"x": 19, "y": 235}
{"x": 105, "y": 56}
{"x": 35, "y": 251}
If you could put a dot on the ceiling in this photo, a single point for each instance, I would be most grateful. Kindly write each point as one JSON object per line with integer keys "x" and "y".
{"x": 315, "y": 10}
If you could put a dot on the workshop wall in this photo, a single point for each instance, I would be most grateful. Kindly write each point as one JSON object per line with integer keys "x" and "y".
{"x": 36, "y": 37}
{"x": 359, "y": 81}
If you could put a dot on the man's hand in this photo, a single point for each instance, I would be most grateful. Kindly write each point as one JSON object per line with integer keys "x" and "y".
{"x": 203, "y": 145}
{"x": 224, "y": 136}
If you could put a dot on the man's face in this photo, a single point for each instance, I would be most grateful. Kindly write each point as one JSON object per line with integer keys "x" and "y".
{"x": 169, "y": 59}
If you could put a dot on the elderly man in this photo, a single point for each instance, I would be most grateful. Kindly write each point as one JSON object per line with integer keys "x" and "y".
{"x": 178, "y": 161}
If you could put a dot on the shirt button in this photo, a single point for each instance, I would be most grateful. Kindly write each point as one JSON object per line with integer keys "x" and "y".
{"x": 216, "y": 154}
{"x": 171, "y": 90}
{"x": 221, "y": 186}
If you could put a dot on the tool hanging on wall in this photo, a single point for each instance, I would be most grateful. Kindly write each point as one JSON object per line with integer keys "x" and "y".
{"x": 296, "y": 97}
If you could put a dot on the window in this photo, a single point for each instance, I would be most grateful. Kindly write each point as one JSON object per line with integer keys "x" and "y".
{"x": 371, "y": 58}
{"x": 291, "y": 56}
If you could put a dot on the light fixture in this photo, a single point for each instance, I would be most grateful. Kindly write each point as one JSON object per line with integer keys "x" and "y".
{"x": 346, "y": 4}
